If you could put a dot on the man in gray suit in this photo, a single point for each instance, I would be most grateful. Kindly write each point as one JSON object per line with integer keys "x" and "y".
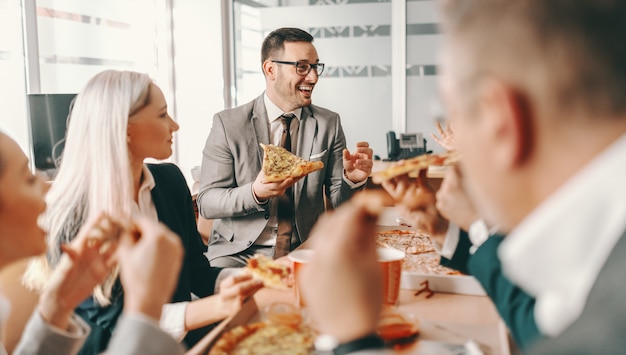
{"x": 245, "y": 208}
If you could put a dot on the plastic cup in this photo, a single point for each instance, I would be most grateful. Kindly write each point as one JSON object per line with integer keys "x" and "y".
{"x": 300, "y": 258}
{"x": 390, "y": 261}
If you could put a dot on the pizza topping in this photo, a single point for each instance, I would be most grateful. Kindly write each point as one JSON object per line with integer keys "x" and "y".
{"x": 272, "y": 274}
{"x": 265, "y": 338}
{"x": 420, "y": 255}
{"x": 415, "y": 165}
{"x": 280, "y": 164}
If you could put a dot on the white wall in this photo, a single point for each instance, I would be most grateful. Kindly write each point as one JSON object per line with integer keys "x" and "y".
{"x": 198, "y": 77}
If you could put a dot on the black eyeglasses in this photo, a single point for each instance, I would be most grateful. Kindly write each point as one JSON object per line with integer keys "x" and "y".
{"x": 304, "y": 68}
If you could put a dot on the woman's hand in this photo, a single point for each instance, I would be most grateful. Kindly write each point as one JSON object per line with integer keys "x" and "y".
{"x": 235, "y": 290}
{"x": 85, "y": 263}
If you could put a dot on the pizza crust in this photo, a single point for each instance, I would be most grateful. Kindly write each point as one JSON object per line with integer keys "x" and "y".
{"x": 280, "y": 164}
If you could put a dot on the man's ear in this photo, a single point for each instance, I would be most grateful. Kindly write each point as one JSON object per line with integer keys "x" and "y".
{"x": 510, "y": 116}
{"x": 269, "y": 70}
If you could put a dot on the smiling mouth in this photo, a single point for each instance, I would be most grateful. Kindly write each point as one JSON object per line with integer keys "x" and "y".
{"x": 306, "y": 89}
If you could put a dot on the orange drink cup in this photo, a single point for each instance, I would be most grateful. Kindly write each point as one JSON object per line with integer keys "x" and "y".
{"x": 300, "y": 258}
{"x": 390, "y": 261}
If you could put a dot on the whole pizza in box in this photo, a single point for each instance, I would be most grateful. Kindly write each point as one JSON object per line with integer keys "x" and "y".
{"x": 282, "y": 332}
{"x": 420, "y": 254}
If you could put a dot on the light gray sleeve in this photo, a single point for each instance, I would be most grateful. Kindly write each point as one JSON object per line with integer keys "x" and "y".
{"x": 40, "y": 337}
{"x": 226, "y": 179}
{"x": 136, "y": 334}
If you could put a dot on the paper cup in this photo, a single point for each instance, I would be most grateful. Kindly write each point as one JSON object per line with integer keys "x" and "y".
{"x": 390, "y": 261}
{"x": 300, "y": 258}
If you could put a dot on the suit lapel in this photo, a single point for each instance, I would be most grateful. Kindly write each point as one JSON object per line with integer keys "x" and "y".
{"x": 260, "y": 123}
{"x": 306, "y": 133}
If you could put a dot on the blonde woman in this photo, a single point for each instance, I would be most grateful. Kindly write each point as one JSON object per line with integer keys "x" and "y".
{"x": 53, "y": 328}
{"x": 118, "y": 120}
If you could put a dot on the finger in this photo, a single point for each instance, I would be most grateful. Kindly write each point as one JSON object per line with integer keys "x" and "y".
{"x": 365, "y": 153}
{"x": 108, "y": 252}
{"x": 241, "y": 277}
{"x": 71, "y": 253}
{"x": 371, "y": 202}
{"x": 251, "y": 287}
{"x": 240, "y": 288}
{"x": 362, "y": 144}
{"x": 346, "y": 154}
{"x": 439, "y": 128}
{"x": 421, "y": 178}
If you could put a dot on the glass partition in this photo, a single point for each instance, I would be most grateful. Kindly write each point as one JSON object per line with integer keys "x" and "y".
{"x": 423, "y": 38}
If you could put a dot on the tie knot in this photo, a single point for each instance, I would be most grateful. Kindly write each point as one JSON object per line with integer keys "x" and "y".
{"x": 286, "y": 119}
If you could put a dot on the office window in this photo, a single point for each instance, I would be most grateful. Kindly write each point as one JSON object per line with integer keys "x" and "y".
{"x": 12, "y": 86}
{"x": 78, "y": 39}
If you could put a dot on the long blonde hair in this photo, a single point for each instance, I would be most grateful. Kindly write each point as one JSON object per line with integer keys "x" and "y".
{"x": 94, "y": 175}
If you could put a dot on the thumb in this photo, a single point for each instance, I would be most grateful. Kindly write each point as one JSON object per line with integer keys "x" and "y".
{"x": 421, "y": 178}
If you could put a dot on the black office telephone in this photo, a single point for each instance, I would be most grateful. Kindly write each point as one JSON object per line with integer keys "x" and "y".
{"x": 407, "y": 146}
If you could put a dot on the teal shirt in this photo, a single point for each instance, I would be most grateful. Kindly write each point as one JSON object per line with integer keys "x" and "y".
{"x": 515, "y": 306}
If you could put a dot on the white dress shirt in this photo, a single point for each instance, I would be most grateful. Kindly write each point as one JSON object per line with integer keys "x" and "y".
{"x": 558, "y": 250}
{"x": 173, "y": 314}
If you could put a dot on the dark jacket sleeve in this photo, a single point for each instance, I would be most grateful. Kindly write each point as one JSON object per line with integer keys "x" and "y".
{"x": 174, "y": 206}
{"x": 461, "y": 254}
{"x": 516, "y": 307}
{"x": 101, "y": 320}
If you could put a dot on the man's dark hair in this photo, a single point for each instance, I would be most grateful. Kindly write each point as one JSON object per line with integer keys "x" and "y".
{"x": 570, "y": 52}
{"x": 275, "y": 41}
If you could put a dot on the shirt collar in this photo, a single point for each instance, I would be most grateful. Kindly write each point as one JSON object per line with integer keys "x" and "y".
{"x": 274, "y": 112}
{"x": 148, "y": 179}
{"x": 556, "y": 253}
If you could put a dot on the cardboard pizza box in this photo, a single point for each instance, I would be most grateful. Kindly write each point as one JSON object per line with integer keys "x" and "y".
{"x": 460, "y": 284}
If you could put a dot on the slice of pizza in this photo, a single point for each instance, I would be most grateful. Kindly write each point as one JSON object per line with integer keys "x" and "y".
{"x": 280, "y": 164}
{"x": 272, "y": 274}
{"x": 415, "y": 164}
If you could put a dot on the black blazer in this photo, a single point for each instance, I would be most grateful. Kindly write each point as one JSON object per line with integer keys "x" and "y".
{"x": 173, "y": 203}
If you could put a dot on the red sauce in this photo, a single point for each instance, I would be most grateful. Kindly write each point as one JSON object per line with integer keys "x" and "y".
{"x": 396, "y": 331}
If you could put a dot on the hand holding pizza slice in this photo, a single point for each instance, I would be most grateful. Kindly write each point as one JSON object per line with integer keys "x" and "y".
{"x": 415, "y": 164}
{"x": 280, "y": 164}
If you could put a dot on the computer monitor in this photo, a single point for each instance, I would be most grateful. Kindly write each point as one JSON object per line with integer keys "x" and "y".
{"x": 48, "y": 122}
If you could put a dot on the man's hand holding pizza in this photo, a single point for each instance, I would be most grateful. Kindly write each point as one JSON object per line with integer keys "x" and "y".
{"x": 263, "y": 190}
{"x": 417, "y": 201}
{"x": 358, "y": 165}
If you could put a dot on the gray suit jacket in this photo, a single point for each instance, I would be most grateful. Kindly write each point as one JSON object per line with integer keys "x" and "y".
{"x": 601, "y": 328}
{"x": 232, "y": 159}
{"x": 132, "y": 336}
